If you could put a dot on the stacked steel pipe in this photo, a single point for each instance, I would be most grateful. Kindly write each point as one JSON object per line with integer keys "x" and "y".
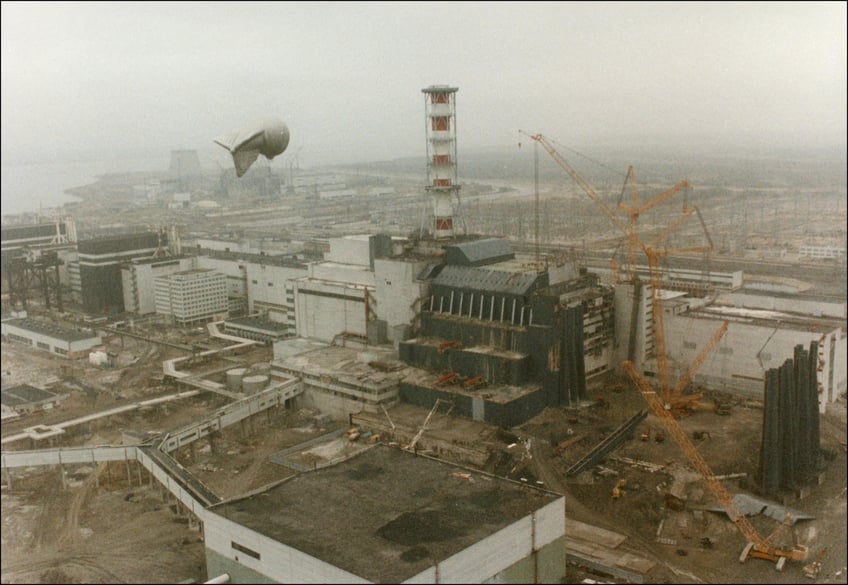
{"x": 790, "y": 442}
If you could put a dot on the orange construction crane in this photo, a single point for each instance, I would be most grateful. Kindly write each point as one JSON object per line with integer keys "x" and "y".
{"x": 583, "y": 183}
{"x": 672, "y": 399}
{"x": 675, "y": 400}
{"x": 634, "y": 210}
{"x": 653, "y": 253}
{"x": 757, "y": 547}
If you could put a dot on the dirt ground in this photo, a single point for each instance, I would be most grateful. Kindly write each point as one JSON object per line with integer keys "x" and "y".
{"x": 104, "y": 530}
{"x": 732, "y": 447}
{"x": 114, "y": 532}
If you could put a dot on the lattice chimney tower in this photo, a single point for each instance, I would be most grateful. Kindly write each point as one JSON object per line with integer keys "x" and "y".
{"x": 440, "y": 120}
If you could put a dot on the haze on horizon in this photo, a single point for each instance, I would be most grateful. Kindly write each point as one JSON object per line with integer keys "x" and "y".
{"x": 131, "y": 79}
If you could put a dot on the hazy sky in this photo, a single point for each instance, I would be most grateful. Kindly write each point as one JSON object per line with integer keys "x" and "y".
{"x": 139, "y": 78}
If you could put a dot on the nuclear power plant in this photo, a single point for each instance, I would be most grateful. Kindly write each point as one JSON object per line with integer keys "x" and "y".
{"x": 350, "y": 375}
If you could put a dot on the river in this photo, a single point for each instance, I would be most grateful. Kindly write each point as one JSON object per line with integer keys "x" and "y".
{"x": 31, "y": 187}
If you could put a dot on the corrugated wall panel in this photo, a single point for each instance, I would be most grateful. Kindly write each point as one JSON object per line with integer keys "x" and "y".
{"x": 425, "y": 576}
{"x": 67, "y": 456}
{"x": 550, "y": 522}
{"x": 493, "y": 554}
{"x": 277, "y": 561}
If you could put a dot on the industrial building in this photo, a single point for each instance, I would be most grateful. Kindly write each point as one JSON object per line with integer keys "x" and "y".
{"x": 388, "y": 516}
{"x": 36, "y": 257}
{"x": 96, "y": 275}
{"x": 503, "y": 338}
{"x": 342, "y": 380}
{"x": 756, "y": 340}
{"x": 257, "y": 328}
{"x": 472, "y": 309}
{"x": 62, "y": 341}
{"x": 184, "y": 169}
{"x": 24, "y": 399}
{"x": 192, "y": 295}
{"x": 442, "y": 318}
{"x": 138, "y": 280}
{"x": 255, "y": 283}
{"x": 333, "y": 299}
{"x": 16, "y": 237}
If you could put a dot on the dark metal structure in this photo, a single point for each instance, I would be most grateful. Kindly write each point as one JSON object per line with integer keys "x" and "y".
{"x": 608, "y": 445}
{"x": 789, "y": 458}
{"x": 23, "y": 272}
{"x": 505, "y": 329}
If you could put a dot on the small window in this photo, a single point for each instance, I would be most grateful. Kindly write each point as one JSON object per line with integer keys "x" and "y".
{"x": 725, "y": 350}
{"x": 689, "y": 345}
{"x": 245, "y": 550}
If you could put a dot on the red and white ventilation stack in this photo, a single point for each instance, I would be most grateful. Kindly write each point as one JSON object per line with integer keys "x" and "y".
{"x": 440, "y": 119}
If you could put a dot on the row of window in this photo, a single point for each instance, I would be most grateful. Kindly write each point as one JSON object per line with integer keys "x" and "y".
{"x": 723, "y": 350}
{"x": 38, "y": 344}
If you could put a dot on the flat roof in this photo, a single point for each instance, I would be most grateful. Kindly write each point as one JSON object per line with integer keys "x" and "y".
{"x": 281, "y": 260}
{"x": 51, "y": 330}
{"x": 24, "y": 394}
{"x": 349, "y": 363}
{"x": 386, "y": 514}
{"x": 769, "y": 318}
{"x": 800, "y": 295}
{"x": 497, "y": 393}
{"x": 263, "y": 324}
{"x": 492, "y": 279}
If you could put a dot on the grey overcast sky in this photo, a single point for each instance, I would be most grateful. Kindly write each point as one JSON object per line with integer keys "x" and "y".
{"x": 150, "y": 77}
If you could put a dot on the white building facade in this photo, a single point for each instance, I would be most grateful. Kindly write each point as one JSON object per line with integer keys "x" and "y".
{"x": 192, "y": 295}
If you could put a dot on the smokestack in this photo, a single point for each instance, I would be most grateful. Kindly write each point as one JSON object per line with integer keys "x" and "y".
{"x": 440, "y": 120}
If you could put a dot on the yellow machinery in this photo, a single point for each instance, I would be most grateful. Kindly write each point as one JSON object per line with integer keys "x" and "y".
{"x": 619, "y": 489}
{"x": 758, "y": 547}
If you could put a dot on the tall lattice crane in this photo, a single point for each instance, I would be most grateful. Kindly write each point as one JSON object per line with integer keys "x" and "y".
{"x": 583, "y": 183}
{"x": 672, "y": 398}
{"x": 757, "y": 546}
{"x": 634, "y": 210}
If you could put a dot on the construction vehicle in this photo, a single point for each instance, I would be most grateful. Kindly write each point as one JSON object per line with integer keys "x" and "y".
{"x": 475, "y": 382}
{"x": 601, "y": 402}
{"x": 701, "y": 436}
{"x": 813, "y": 570}
{"x": 757, "y": 547}
{"x": 448, "y": 378}
{"x": 619, "y": 489}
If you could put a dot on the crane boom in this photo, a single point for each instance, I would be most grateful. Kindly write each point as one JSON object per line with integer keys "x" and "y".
{"x": 411, "y": 446}
{"x": 690, "y": 373}
{"x": 583, "y": 183}
{"x": 657, "y": 314}
{"x": 637, "y": 209}
{"x": 758, "y": 546}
